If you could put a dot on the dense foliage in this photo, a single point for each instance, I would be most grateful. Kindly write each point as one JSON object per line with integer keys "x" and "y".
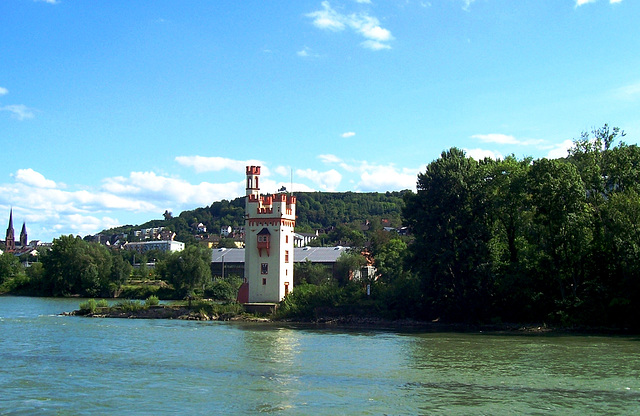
{"x": 544, "y": 240}
{"x": 187, "y": 270}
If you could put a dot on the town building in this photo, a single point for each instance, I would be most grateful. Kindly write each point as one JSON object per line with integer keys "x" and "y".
{"x": 161, "y": 245}
{"x": 230, "y": 261}
{"x": 303, "y": 239}
{"x": 269, "y": 233}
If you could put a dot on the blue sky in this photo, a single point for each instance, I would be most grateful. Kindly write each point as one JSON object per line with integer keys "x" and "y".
{"x": 112, "y": 112}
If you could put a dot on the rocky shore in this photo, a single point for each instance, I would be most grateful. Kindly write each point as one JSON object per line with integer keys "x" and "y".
{"x": 162, "y": 312}
{"x": 359, "y": 322}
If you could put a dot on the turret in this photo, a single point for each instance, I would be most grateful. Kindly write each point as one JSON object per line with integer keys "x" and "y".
{"x": 253, "y": 187}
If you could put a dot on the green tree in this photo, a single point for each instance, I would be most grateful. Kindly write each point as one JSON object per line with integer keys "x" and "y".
{"x": 187, "y": 270}
{"x": 74, "y": 266}
{"x": 120, "y": 270}
{"x": 390, "y": 260}
{"x": 349, "y": 262}
{"x": 449, "y": 219}
{"x": 308, "y": 272}
{"x": 560, "y": 232}
{"x": 10, "y": 267}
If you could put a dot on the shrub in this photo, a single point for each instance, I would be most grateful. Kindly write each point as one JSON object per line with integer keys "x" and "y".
{"x": 102, "y": 303}
{"x": 227, "y": 309}
{"x": 152, "y": 301}
{"x": 88, "y": 307}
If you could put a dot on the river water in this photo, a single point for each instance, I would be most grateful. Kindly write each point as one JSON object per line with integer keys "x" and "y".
{"x": 60, "y": 365}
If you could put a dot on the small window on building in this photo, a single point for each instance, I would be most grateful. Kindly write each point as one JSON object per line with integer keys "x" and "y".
{"x": 286, "y": 256}
{"x": 286, "y": 239}
{"x": 264, "y": 281}
{"x": 264, "y": 268}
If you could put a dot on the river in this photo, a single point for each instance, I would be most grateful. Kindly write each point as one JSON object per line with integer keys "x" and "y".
{"x": 62, "y": 365}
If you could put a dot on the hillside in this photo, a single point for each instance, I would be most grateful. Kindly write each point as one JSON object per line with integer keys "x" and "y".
{"x": 315, "y": 211}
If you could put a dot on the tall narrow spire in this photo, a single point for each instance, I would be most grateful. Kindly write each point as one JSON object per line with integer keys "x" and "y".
{"x": 23, "y": 235}
{"x": 10, "y": 241}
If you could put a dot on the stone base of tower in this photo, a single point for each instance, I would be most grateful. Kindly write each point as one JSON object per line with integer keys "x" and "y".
{"x": 261, "y": 308}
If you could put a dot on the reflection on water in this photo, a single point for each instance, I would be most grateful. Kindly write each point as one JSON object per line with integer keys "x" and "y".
{"x": 71, "y": 365}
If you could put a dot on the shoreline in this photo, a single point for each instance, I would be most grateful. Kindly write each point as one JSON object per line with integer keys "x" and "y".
{"x": 351, "y": 322}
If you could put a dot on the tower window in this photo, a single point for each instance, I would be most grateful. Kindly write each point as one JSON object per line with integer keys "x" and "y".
{"x": 286, "y": 256}
{"x": 264, "y": 280}
{"x": 264, "y": 268}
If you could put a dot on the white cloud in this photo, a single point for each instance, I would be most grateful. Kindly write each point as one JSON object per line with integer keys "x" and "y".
{"x": 560, "y": 150}
{"x": 506, "y": 139}
{"x": 327, "y": 18}
{"x": 327, "y": 181}
{"x": 48, "y": 1}
{"x": 363, "y": 24}
{"x": 18, "y": 111}
{"x": 381, "y": 178}
{"x": 583, "y": 2}
{"x": 33, "y": 178}
{"x": 161, "y": 190}
{"x": 4, "y": 91}
{"x": 480, "y": 154}
{"x": 87, "y": 224}
{"x": 374, "y": 45}
{"x": 282, "y": 170}
{"x": 216, "y": 164}
{"x": 363, "y": 1}
{"x": 348, "y": 134}
{"x": 369, "y": 27}
{"x": 496, "y": 138}
{"x": 307, "y": 53}
{"x": 329, "y": 158}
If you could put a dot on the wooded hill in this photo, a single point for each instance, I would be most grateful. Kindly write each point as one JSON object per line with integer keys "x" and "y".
{"x": 315, "y": 211}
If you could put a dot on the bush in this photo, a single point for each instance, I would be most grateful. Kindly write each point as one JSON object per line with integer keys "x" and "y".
{"x": 226, "y": 310}
{"x": 303, "y": 301}
{"x": 88, "y": 307}
{"x": 102, "y": 303}
{"x": 152, "y": 301}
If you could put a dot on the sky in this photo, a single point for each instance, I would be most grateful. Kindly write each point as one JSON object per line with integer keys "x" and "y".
{"x": 113, "y": 111}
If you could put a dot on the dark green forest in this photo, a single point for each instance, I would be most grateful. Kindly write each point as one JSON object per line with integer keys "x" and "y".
{"x": 529, "y": 240}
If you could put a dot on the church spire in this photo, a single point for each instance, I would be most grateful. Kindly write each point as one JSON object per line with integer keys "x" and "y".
{"x": 23, "y": 235}
{"x": 10, "y": 241}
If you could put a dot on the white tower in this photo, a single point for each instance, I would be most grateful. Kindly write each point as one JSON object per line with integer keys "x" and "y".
{"x": 269, "y": 227}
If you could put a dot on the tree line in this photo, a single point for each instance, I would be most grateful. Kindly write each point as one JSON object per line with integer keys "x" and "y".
{"x": 529, "y": 240}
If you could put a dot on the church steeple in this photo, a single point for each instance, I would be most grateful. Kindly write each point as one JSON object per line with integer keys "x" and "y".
{"x": 23, "y": 235}
{"x": 10, "y": 241}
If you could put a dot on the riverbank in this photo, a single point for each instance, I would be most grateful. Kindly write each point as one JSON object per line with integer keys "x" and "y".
{"x": 165, "y": 312}
{"x": 183, "y": 312}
